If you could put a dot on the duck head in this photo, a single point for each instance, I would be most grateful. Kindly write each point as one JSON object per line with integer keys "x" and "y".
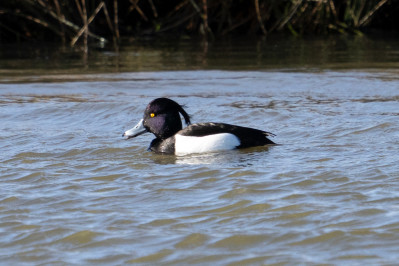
{"x": 161, "y": 117}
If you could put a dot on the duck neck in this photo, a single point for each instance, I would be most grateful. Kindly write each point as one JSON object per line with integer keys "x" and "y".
{"x": 172, "y": 127}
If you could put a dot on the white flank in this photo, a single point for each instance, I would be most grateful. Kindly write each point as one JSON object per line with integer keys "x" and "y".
{"x": 216, "y": 142}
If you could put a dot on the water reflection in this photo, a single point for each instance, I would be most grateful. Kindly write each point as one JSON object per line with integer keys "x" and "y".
{"x": 232, "y": 158}
{"x": 235, "y": 54}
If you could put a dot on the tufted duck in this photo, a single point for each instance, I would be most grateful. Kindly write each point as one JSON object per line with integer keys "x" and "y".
{"x": 161, "y": 117}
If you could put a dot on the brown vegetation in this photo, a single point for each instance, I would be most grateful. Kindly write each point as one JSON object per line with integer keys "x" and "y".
{"x": 71, "y": 21}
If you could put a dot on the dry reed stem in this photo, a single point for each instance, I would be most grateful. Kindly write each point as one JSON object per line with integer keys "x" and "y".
{"x": 110, "y": 23}
{"x": 136, "y": 6}
{"x": 116, "y": 23}
{"x": 236, "y": 25}
{"x": 86, "y": 22}
{"x": 291, "y": 13}
{"x": 179, "y": 6}
{"x": 205, "y": 18}
{"x": 195, "y": 6}
{"x": 365, "y": 19}
{"x": 85, "y": 28}
{"x": 36, "y": 20}
{"x": 316, "y": 12}
{"x": 177, "y": 23}
{"x": 59, "y": 14}
{"x": 258, "y": 15}
{"x": 333, "y": 9}
{"x": 111, "y": 27}
{"x": 79, "y": 8}
{"x": 154, "y": 10}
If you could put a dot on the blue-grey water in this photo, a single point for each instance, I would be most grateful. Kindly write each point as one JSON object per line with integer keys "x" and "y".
{"x": 74, "y": 192}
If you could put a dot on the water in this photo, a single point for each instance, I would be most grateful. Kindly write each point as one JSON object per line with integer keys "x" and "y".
{"x": 74, "y": 192}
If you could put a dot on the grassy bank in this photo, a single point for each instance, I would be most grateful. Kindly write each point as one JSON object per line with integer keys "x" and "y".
{"x": 80, "y": 21}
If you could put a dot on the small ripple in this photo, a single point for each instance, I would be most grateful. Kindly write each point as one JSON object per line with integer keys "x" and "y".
{"x": 79, "y": 238}
{"x": 372, "y": 128}
{"x": 237, "y": 242}
{"x": 152, "y": 258}
{"x": 8, "y": 200}
{"x": 369, "y": 212}
{"x": 192, "y": 241}
{"x": 227, "y": 208}
{"x": 329, "y": 237}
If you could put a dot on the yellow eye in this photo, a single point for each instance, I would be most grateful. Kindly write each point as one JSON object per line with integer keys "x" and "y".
{"x": 152, "y": 114}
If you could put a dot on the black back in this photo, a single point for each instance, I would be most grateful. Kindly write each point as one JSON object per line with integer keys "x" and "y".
{"x": 248, "y": 137}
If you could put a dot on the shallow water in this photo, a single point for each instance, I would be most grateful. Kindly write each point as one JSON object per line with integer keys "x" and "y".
{"x": 74, "y": 192}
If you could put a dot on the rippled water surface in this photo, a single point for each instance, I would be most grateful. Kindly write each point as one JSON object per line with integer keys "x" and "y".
{"x": 74, "y": 192}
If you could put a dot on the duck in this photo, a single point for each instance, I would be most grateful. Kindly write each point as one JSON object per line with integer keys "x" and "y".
{"x": 162, "y": 118}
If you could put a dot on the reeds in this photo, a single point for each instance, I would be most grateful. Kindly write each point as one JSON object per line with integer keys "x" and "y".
{"x": 44, "y": 19}
{"x": 105, "y": 20}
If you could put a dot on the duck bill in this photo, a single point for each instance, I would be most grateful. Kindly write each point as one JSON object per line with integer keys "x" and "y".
{"x": 137, "y": 130}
